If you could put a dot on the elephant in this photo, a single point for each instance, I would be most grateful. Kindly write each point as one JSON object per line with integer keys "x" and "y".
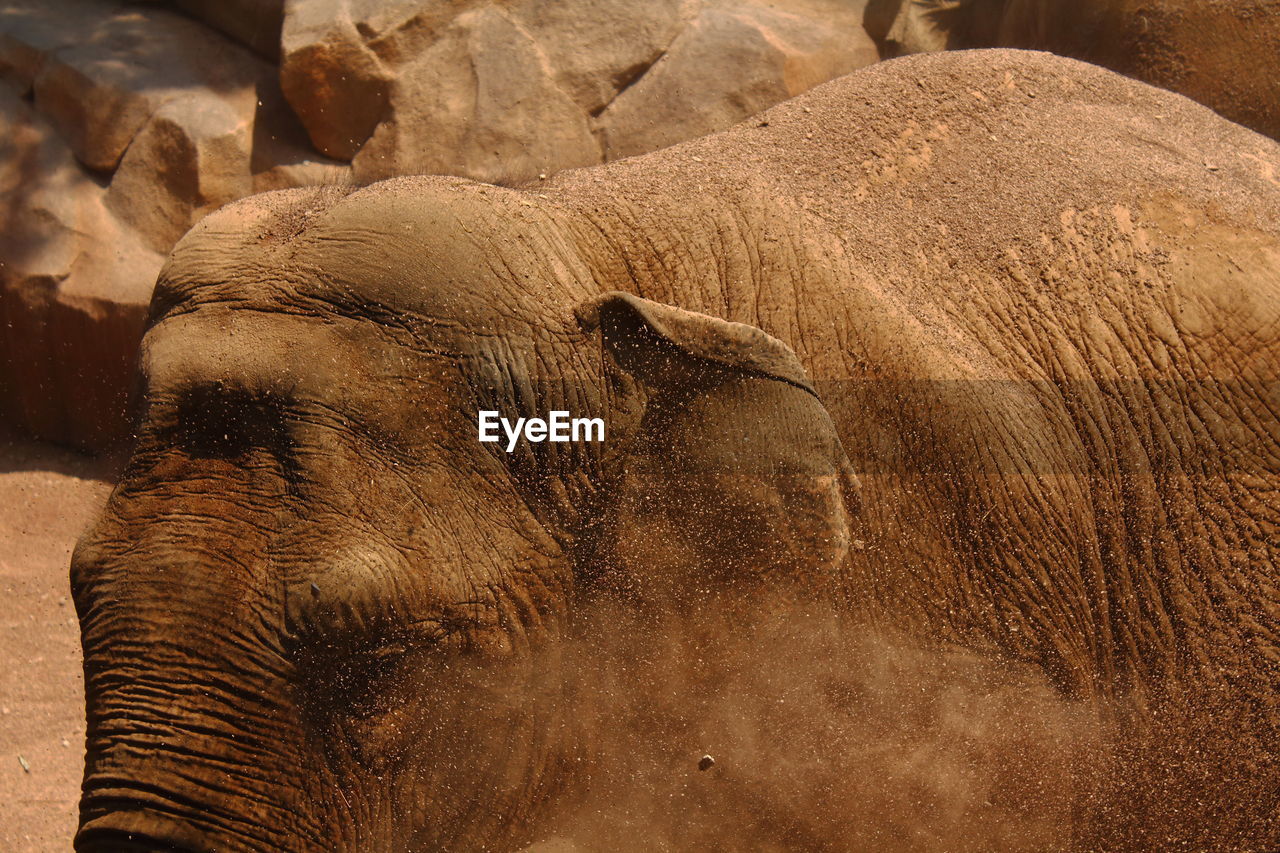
{"x": 1223, "y": 55}
{"x": 980, "y": 346}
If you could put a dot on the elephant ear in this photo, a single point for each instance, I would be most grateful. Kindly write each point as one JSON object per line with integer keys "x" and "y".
{"x": 732, "y": 476}
{"x": 642, "y": 334}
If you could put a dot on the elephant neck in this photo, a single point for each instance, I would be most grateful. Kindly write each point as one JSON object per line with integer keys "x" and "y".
{"x": 698, "y": 252}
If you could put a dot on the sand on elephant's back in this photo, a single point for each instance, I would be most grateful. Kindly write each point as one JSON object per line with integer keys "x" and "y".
{"x": 962, "y": 153}
{"x": 974, "y": 151}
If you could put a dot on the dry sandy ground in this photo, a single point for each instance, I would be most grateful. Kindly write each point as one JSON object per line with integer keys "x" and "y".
{"x": 47, "y": 496}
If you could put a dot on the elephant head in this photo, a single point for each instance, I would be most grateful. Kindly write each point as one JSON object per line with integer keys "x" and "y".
{"x": 317, "y": 613}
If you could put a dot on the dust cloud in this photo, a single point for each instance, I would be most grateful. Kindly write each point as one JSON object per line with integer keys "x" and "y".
{"x": 827, "y": 735}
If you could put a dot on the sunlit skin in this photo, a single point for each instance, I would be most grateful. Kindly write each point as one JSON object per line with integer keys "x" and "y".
{"x": 851, "y": 380}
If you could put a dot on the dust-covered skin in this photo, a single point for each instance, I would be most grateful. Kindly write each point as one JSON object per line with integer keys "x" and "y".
{"x": 978, "y": 349}
{"x": 1223, "y": 53}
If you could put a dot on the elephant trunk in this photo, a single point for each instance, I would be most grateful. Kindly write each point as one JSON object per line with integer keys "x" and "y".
{"x": 190, "y": 719}
{"x": 182, "y": 766}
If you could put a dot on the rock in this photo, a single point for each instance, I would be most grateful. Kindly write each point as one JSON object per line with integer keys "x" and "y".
{"x": 597, "y": 49}
{"x": 282, "y": 155}
{"x": 481, "y": 101}
{"x": 100, "y": 70}
{"x": 74, "y": 289}
{"x": 192, "y": 157}
{"x": 507, "y": 91}
{"x": 254, "y": 23}
{"x": 337, "y": 86}
{"x": 731, "y": 61}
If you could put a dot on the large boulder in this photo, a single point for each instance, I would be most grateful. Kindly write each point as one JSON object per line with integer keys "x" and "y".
{"x": 99, "y": 71}
{"x": 483, "y": 101}
{"x": 729, "y": 62}
{"x": 336, "y": 83}
{"x": 599, "y": 49}
{"x": 74, "y": 289}
{"x": 510, "y": 91}
{"x": 192, "y": 157}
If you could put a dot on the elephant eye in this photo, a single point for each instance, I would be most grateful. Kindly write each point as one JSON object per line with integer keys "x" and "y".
{"x": 439, "y": 631}
{"x": 221, "y": 423}
{"x": 216, "y": 423}
{"x": 211, "y": 422}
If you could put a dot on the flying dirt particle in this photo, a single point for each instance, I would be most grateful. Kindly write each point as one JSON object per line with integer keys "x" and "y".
{"x": 706, "y": 762}
{"x": 315, "y": 589}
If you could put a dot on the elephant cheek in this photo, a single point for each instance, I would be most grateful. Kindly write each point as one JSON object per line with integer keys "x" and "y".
{"x": 463, "y": 747}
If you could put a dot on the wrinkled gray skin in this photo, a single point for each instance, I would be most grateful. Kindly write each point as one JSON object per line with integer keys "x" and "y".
{"x": 318, "y": 614}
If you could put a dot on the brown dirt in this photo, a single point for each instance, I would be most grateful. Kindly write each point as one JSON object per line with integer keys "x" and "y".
{"x": 48, "y": 496}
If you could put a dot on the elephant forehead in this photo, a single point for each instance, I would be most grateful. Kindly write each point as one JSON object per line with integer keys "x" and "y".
{"x": 347, "y": 369}
{"x": 264, "y": 351}
{"x": 391, "y": 252}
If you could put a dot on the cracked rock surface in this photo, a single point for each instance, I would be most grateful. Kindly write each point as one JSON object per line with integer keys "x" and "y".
{"x": 124, "y": 123}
